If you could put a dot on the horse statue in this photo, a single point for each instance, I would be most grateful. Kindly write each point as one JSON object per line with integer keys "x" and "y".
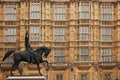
{"x": 19, "y": 56}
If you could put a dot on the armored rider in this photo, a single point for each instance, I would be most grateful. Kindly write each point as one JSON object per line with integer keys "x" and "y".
{"x": 28, "y": 48}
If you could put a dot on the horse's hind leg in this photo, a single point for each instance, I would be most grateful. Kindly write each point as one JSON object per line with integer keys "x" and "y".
{"x": 13, "y": 66}
{"x": 19, "y": 69}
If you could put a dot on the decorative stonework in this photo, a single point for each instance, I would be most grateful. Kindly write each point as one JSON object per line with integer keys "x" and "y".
{"x": 71, "y": 68}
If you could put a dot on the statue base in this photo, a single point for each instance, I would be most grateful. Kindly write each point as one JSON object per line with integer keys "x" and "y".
{"x": 25, "y": 78}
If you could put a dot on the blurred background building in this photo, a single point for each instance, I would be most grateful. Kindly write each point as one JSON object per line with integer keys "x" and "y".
{"x": 84, "y": 36}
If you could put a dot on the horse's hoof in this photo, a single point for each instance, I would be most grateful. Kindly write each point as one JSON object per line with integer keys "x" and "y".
{"x": 41, "y": 75}
{"x": 47, "y": 69}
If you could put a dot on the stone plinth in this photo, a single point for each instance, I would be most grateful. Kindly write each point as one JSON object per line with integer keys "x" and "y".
{"x": 26, "y": 78}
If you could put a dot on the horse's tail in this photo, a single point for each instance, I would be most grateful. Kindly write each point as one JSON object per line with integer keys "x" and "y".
{"x": 7, "y": 54}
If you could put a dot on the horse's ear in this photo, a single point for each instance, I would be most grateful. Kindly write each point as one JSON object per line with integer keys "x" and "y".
{"x": 38, "y": 49}
{"x": 49, "y": 49}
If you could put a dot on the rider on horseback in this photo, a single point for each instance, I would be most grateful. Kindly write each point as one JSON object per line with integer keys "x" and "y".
{"x": 29, "y": 49}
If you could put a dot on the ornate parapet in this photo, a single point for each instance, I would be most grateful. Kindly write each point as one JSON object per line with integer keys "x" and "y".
{"x": 6, "y": 66}
{"x": 60, "y": 0}
{"x": 83, "y": 65}
{"x": 62, "y": 65}
{"x": 33, "y": 66}
{"x": 107, "y": 64}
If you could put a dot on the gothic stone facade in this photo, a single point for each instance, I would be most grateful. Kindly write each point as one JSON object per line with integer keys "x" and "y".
{"x": 84, "y": 36}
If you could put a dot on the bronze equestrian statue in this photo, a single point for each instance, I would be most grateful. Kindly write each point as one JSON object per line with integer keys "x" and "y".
{"x": 27, "y": 56}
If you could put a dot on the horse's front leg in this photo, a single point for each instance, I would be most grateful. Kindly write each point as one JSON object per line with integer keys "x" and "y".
{"x": 39, "y": 69}
{"x": 47, "y": 64}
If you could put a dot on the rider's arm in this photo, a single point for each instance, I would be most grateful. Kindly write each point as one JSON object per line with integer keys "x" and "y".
{"x": 27, "y": 40}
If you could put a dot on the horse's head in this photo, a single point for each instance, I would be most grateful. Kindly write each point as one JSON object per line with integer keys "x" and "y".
{"x": 47, "y": 52}
{"x": 43, "y": 49}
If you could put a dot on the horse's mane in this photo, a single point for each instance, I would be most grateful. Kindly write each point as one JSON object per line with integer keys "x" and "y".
{"x": 41, "y": 48}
